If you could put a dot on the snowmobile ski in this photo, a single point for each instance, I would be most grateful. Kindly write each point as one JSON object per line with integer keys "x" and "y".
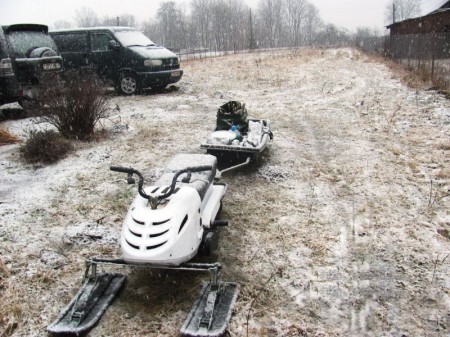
{"x": 89, "y": 304}
{"x": 212, "y": 311}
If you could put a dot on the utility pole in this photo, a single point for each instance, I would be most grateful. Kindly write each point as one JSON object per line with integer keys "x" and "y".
{"x": 252, "y": 38}
{"x": 393, "y": 12}
{"x": 117, "y": 21}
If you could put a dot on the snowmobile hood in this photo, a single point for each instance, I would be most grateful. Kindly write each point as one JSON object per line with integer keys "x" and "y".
{"x": 153, "y": 52}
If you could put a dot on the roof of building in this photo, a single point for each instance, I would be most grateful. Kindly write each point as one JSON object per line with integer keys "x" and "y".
{"x": 443, "y": 8}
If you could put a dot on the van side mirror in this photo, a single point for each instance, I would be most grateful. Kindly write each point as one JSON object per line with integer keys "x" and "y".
{"x": 114, "y": 45}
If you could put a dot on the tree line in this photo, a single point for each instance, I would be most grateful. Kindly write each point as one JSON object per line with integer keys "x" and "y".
{"x": 227, "y": 25}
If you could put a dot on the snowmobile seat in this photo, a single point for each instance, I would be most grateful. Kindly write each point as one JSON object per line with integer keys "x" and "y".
{"x": 199, "y": 180}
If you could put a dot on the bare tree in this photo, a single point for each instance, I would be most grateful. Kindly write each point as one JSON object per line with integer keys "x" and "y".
{"x": 150, "y": 29}
{"x": 399, "y": 10}
{"x": 127, "y": 20}
{"x": 61, "y": 24}
{"x": 227, "y": 25}
{"x": 363, "y": 32}
{"x": 200, "y": 22}
{"x": 172, "y": 25}
{"x": 369, "y": 40}
{"x": 313, "y": 23}
{"x": 333, "y": 36}
{"x": 296, "y": 12}
{"x": 271, "y": 21}
{"x": 86, "y": 17}
{"x": 239, "y": 25}
{"x": 221, "y": 18}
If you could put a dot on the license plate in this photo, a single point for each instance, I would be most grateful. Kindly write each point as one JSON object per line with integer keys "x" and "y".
{"x": 176, "y": 73}
{"x": 51, "y": 66}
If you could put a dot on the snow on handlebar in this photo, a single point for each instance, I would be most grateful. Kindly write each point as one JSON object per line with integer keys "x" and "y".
{"x": 130, "y": 171}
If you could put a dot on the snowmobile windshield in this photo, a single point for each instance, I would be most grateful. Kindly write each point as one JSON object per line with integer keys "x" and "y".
{"x": 130, "y": 38}
{"x": 23, "y": 42}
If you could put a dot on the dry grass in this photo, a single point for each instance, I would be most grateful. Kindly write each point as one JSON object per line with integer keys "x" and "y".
{"x": 10, "y": 315}
{"x": 443, "y": 174}
{"x": 315, "y": 228}
{"x": 421, "y": 77}
{"x": 147, "y": 133}
{"x": 444, "y": 146}
{"x": 7, "y": 138}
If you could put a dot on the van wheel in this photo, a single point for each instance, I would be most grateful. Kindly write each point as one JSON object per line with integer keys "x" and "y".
{"x": 128, "y": 84}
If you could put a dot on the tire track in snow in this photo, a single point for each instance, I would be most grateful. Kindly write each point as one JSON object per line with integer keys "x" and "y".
{"x": 342, "y": 284}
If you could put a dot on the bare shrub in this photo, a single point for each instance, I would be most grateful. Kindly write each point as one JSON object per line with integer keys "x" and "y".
{"x": 440, "y": 81}
{"x": 45, "y": 147}
{"x": 73, "y": 104}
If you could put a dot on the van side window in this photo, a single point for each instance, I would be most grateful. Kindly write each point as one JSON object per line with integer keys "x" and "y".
{"x": 73, "y": 42}
{"x": 99, "y": 41}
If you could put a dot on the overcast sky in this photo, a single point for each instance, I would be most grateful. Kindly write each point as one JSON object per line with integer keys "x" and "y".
{"x": 349, "y": 14}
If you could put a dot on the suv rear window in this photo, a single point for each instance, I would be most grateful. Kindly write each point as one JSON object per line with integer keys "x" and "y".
{"x": 71, "y": 42}
{"x": 23, "y": 42}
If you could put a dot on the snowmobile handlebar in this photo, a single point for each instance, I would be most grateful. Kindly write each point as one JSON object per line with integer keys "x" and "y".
{"x": 130, "y": 171}
{"x": 188, "y": 170}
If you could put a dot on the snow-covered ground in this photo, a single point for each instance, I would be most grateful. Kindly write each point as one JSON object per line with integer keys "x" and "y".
{"x": 341, "y": 229}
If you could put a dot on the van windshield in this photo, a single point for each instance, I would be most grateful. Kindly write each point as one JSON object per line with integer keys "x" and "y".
{"x": 23, "y": 42}
{"x": 129, "y": 38}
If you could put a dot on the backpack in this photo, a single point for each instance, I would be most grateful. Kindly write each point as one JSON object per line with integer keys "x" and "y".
{"x": 232, "y": 113}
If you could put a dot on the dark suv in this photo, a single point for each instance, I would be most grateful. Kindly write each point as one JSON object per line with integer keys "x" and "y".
{"x": 27, "y": 53}
{"x": 121, "y": 55}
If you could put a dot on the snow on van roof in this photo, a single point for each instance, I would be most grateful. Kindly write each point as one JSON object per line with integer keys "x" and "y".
{"x": 110, "y": 28}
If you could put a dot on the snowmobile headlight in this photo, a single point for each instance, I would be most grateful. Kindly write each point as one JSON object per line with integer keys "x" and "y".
{"x": 152, "y": 63}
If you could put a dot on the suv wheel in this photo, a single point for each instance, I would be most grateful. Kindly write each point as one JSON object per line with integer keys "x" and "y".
{"x": 128, "y": 84}
{"x": 41, "y": 52}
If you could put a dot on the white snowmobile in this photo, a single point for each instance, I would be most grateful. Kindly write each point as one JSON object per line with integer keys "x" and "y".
{"x": 166, "y": 226}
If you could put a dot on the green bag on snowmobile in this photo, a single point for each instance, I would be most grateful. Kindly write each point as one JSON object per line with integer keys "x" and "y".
{"x": 232, "y": 113}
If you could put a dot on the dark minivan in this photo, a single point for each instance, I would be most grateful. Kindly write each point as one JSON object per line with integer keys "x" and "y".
{"x": 27, "y": 53}
{"x": 122, "y": 55}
